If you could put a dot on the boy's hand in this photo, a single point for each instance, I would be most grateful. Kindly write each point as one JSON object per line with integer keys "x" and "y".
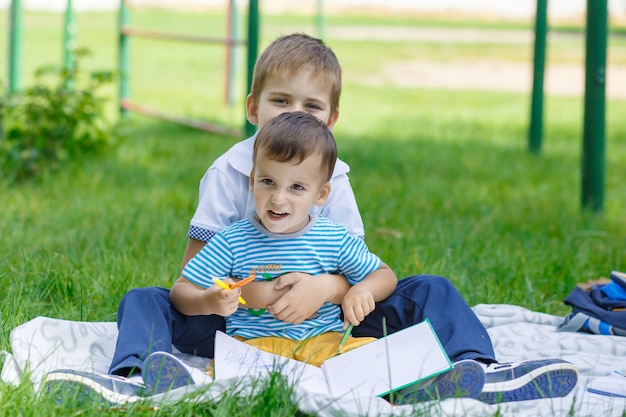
{"x": 356, "y": 304}
{"x": 224, "y": 301}
{"x": 193, "y": 300}
{"x": 304, "y": 299}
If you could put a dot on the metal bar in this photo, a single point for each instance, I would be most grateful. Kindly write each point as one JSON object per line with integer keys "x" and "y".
{"x": 153, "y": 34}
{"x": 124, "y": 56}
{"x": 319, "y": 19}
{"x": 253, "y": 48}
{"x": 15, "y": 46}
{"x": 69, "y": 43}
{"x": 196, "y": 124}
{"x": 535, "y": 132}
{"x": 69, "y": 33}
{"x": 595, "y": 101}
{"x": 126, "y": 105}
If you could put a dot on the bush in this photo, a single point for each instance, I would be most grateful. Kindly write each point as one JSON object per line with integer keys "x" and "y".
{"x": 59, "y": 118}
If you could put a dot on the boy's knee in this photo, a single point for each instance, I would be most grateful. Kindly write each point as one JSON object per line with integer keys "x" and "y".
{"x": 145, "y": 295}
{"x": 425, "y": 281}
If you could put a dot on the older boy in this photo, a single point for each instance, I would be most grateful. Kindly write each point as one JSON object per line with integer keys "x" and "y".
{"x": 293, "y": 160}
{"x": 297, "y": 72}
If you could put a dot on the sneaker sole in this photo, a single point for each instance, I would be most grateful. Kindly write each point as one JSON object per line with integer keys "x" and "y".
{"x": 85, "y": 390}
{"x": 542, "y": 384}
{"x": 465, "y": 380}
{"x": 513, "y": 384}
{"x": 164, "y": 372}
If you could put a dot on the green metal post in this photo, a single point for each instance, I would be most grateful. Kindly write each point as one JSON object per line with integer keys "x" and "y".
{"x": 15, "y": 46}
{"x": 69, "y": 32}
{"x": 69, "y": 43}
{"x": 594, "y": 119}
{"x": 319, "y": 19}
{"x": 253, "y": 49}
{"x": 535, "y": 132}
{"x": 124, "y": 55}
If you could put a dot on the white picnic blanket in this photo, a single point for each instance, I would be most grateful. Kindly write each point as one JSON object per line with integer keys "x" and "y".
{"x": 46, "y": 344}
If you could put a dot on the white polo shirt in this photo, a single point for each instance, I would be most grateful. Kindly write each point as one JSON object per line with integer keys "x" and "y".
{"x": 225, "y": 197}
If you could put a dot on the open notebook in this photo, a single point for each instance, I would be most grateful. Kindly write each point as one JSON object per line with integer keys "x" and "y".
{"x": 388, "y": 364}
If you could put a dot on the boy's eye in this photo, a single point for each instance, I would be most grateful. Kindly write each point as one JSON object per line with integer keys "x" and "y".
{"x": 267, "y": 181}
{"x": 279, "y": 101}
{"x": 313, "y": 106}
{"x": 297, "y": 187}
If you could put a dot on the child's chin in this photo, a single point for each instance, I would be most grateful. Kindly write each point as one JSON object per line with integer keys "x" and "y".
{"x": 279, "y": 228}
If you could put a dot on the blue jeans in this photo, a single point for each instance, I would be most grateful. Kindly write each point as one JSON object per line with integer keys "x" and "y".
{"x": 147, "y": 322}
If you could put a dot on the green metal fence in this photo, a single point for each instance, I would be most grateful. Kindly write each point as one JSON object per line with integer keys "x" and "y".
{"x": 593, "y": 158}
{"x": 126, "y": 32}
{"x": 593, "y": 141}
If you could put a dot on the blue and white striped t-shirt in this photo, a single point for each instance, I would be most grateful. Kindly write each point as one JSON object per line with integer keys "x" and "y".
{"x": 246, "y": 247}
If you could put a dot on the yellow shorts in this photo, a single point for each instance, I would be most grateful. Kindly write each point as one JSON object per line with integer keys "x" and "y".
{"x": 314, "y": 350}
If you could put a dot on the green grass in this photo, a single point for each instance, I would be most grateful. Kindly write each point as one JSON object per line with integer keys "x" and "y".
{"x": 443, "y": 180}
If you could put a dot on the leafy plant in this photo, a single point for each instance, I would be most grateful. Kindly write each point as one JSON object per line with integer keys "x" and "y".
{"x": 59, "y": 118}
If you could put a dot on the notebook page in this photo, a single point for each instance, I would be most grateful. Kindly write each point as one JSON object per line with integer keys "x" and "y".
{"x": 388, "y": 364}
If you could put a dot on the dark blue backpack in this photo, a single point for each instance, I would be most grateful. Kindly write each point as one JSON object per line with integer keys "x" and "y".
{"x": 601, "y": 310}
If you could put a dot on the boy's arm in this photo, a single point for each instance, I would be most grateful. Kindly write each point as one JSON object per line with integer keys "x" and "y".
{"x": 260, "y": 294}
{"x": 193, "y": 300}
{"x": 291, "y": 296}
{"x": 193, "y": 247}
{"x": 306, "y": 294}
{"x": 361, "y": 298}
{"x": 292, "y": 287}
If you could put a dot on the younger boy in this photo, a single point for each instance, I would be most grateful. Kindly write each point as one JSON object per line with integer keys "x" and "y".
{"x": 294, "y": 157}
{"x": 298, "y": 72}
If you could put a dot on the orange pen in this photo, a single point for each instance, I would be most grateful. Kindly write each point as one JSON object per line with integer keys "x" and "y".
{"x": 243, "y": 282}
{"x": 225, "y": 286}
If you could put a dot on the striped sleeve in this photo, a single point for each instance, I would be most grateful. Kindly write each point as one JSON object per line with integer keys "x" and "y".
{"x": 354, "y": 259}
{"x": 215, "y": 259}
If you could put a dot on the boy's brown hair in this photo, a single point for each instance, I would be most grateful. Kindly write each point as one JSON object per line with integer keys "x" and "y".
{"x": 294, "y": 136}
{"x": 290, "y": 54}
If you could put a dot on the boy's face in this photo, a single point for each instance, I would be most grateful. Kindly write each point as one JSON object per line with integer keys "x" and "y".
{"x": 282, "y": 94}
{"x": 284, "y": 193}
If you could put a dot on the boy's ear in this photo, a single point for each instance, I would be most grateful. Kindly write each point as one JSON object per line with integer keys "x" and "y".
{"x": 252, "y": 180}
{"x": 324, "y": 193}
{"x": 252, "y": 110}
{"x": 332, "y": 120}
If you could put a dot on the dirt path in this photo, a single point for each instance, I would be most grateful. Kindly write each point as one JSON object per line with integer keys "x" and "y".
{"x": 493, "y": 75}
{"x": 559, "y": 80}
